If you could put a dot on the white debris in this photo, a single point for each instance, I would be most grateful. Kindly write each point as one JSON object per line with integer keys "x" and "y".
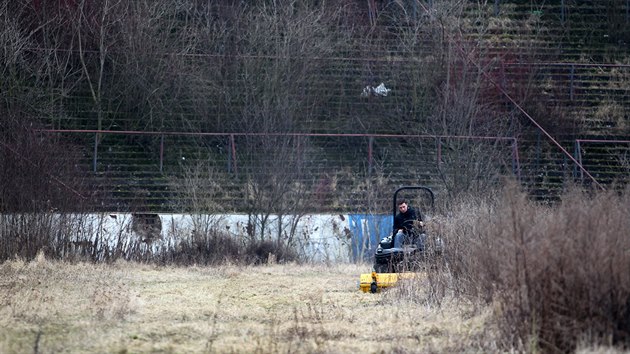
{"x": 379, "y": 90}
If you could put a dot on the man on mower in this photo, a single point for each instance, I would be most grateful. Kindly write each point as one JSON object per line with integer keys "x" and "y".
{"x": 404, "y": 222}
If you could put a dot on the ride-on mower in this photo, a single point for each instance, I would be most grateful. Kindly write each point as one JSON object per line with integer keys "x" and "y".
{"x": 400, "y": 254}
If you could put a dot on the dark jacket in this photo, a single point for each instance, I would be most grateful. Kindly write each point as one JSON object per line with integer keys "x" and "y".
{"x": 400, "y": 218}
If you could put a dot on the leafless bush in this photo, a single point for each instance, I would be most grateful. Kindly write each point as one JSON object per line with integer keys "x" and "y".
{"x": 204, "y": 249}
{"x": 37, "y": 172}
{"x": 54, "y": 235}
{"x": 554, "y": 274}
{"x": 199, "y": 190}
{"x": 218, "y": 247}
{"x": 451, "y": 96}
{"x": 269, "y": 251}
{"x": 274, "y": 185}
{"x": 274, "y": 75}
{"x": 42, "y": 192}
{"x": 277, "y": 197}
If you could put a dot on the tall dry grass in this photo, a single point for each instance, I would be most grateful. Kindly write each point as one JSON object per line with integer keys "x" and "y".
{"x": 79, "y": 237}
{"x": 555, "y": 275}
{"x": 515, "y": 275}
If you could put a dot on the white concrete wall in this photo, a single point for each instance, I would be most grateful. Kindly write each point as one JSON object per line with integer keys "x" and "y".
{"x": 321, "y": 237}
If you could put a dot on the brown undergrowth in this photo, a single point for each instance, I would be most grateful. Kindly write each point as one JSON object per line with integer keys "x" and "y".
{"x": 514, "y": 275}
{"x": 556, "y": 276}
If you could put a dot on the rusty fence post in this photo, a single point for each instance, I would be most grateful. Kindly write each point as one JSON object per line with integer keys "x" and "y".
{"x": 438, "y": 143}
{"x": 572, "y": 85}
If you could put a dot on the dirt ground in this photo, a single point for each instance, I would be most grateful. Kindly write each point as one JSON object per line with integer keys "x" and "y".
{"x": 57, "y": 307}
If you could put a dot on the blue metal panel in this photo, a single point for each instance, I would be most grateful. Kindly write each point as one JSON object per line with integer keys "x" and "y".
{"x": 367, "y": 230}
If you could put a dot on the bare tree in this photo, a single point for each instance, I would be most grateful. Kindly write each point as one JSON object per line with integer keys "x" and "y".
{"x": 276, "y": 75}
{"x": 452, "y": 96}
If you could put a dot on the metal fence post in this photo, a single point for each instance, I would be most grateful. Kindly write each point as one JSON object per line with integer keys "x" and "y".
{"x": 95, "y": 157}
{"x": 571, "y": 86}
{"x": 161, "y": 153}
{"x": 439, "y": 151}
{"x": 229, "y": 156}
{"x": 578, "y": 157}
{"x": 370, "y": 156}
{"x": 298, "y": 152}
{"x": 538, "y": 152}
{"x": 233, "y": 152}
{"x": 516, "y": 164}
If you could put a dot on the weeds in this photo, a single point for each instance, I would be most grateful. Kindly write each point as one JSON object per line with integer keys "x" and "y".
{"x": 85, "y": 238}
{"x": 553, "y": 277}
{"x": 553, "y": 273}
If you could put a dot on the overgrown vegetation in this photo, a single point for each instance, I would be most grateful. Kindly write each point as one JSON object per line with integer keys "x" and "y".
{"x": 544, "y": 277}
{"x": 554, "y": 275}
{"x": 90, "y": 238}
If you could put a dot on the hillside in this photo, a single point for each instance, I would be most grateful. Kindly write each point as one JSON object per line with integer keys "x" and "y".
{"x": 166, "y": 107}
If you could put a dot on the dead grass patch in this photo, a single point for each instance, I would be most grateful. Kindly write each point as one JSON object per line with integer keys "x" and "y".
{"x": 130, "y": 307}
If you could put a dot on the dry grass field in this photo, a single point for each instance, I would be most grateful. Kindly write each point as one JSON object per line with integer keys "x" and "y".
{"x": 515, "y": 276}
{"x": 52, "y": 307}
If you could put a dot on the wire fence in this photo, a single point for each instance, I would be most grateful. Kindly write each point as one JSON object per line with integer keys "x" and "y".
{"x": 536, "y": 68}
{"x": 174, "y": 172}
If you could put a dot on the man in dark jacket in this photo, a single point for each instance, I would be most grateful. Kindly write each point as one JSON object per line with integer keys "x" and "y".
{"x": 404, "y": 225}
{"x": 403, "y": 221}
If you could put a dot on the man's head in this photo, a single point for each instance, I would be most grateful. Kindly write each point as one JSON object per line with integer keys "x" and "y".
{"x": 402, "y": 206}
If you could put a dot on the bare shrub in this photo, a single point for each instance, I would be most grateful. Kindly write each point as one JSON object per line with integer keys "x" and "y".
{"x": 277, "y": 74}
{"x": 199, "y": 191}
{"x": 555, "y": 274}
{"x": 268, "y": 251}
{"x": 211, "y": 248}
{"x": 273, "y": 187}
{"x": 216, "y": 248}
{"x": 24, "y": 235}
{"x": 208, "y": 244}
{"x": 42, "y": 192}
{"x": 37, "y": 173}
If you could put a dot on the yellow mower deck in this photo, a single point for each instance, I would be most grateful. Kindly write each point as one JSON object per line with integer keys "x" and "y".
{"x": 375, "y": 282}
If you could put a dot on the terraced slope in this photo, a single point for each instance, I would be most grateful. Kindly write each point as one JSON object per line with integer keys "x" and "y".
{"x": 566, "y": 64}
